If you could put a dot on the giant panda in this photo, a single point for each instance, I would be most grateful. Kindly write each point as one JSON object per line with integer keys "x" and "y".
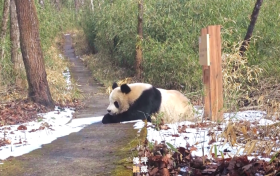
{"x": 141, "y": 100}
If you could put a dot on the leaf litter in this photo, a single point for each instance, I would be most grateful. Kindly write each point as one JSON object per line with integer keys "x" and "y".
{"x": 245, "y": 143}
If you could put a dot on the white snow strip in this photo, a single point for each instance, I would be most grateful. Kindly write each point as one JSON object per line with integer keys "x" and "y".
{"x": 56, "y": 125}
{"x": 132, "y": 121}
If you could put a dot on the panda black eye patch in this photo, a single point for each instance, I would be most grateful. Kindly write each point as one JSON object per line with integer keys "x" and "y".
{"x": 116, "y": 104}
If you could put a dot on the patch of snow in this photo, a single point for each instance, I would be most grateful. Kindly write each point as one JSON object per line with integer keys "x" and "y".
{"x": 61, "y": 56}
{"x": 56, "y": 124}
{"x": 198, "y": 137}
{"x": 245, "y": 115}
{"x": 67, "y": 77}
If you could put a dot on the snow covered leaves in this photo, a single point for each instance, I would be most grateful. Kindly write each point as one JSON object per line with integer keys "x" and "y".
{"x": 253, "y": 139}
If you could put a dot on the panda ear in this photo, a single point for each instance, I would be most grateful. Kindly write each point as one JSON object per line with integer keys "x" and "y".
{"x": 125, "y": 88}
{"x": 115, "y": 85}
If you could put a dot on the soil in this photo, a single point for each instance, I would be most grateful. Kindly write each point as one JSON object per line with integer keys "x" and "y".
{"x": 95, "y": 150}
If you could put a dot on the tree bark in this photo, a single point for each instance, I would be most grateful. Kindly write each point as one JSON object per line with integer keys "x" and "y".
{"x": 4, "y": 25}
{"x": 38, "y": 89}
{"x": 16, "y": 56}
{"x": 139, "y": 54}
{"x": 250, "y": 30}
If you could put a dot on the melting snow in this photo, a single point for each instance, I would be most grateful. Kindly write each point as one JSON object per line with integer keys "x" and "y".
{"x": 55, "y": 123}
{"x": 198, "y": 136}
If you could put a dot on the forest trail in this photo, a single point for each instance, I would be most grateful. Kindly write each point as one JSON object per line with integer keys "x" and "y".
{"x": 92, "y": 151}
{"x": 95, "y": 100}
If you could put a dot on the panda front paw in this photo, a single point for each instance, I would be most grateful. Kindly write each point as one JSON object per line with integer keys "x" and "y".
{"x": 110, "y": 119}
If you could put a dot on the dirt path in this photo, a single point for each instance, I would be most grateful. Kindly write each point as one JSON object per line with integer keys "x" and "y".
{"x": 96, "y": 101}
{"x": 92, "y": 151}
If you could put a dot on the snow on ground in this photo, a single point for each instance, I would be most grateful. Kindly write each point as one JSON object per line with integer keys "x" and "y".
{"x": 197, "y": 136}
{"x": 29, "y": 136}
{"x": 46, "y": 129}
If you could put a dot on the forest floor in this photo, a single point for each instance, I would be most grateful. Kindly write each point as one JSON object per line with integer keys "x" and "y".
{"x": 95, "y": 150}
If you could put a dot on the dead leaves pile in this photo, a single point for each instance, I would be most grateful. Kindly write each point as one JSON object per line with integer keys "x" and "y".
{"x": 256, "y": 140}
{"x": 19, "y": 112}
{"x": 164, "y": 162}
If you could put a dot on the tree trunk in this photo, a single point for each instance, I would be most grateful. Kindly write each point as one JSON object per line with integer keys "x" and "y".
{"x": 139, "y": 54}
{"x": 250, "y": 30}
{"x": 38, "y": 88}
{"x": 16, "y": 56}
{"x": 57, "y": 4}
{"x": 41, "y": 2}
{"x": 4, "y": 26}
{"x": 77, "y": 5}
{"x": 92, "y": 6}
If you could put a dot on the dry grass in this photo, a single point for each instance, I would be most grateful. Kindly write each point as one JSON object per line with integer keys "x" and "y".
{"x": 239, "y": 79}
{"x": 55, "y": 78}
{"x": 244, "y": 88}
{"x": 254, "y": 139}
{"x": 120, "y": 82}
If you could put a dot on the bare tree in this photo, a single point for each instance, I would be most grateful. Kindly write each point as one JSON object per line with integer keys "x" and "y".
{"x": 16, "y": 56}
{"x": 38, "y": 88}
{"x": 139, "y": 54}
{"x": 4, "y": 25}
{"x": 250, "y": 30}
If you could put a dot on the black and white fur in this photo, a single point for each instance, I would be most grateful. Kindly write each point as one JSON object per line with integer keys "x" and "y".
{"x": 140, "y": 100}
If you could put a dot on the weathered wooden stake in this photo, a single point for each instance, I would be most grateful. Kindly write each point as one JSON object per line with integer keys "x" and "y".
{"x": 212, "y": 75}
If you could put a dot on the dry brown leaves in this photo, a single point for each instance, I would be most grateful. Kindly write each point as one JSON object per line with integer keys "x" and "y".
{"x": 256, "y": 140}
{"x": 19, "y": 112}
{"x": 161, "y": 161}
{"x": 120, "y": 82}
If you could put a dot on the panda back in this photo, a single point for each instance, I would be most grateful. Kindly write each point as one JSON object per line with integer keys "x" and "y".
{"x": 148, "y": 102}
{"x": 175, "y": 106}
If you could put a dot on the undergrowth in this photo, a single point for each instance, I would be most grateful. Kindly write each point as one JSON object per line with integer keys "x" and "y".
{"x": 170, "y": 46}
{"x": 52, "y": 23}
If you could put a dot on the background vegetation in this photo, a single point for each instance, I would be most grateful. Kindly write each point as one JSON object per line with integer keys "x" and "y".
{"x": 170, "y": 44}
{"x": 171, "y": 30}
{"x": 53, "y": 22}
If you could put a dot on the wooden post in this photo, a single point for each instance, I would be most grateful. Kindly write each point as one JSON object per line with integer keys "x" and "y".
{"x": 212, "y": 75}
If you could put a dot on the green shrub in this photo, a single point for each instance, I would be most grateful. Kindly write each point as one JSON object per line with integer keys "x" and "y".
{"x": 171, "y": 31}
{"x": 52, "y": 22}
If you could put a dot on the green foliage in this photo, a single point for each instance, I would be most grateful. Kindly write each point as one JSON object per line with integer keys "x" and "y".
{"x": 273, "y": 158}
{"x": 52, "y": 22}
{"x": 172, "y": 147}
{"x": 215, "y": 151}
{"x": 171, "y": 31}
{"x": 157, "y": 120}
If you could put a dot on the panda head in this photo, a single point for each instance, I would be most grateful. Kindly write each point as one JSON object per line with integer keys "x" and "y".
{"x": 121, "y": 98}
